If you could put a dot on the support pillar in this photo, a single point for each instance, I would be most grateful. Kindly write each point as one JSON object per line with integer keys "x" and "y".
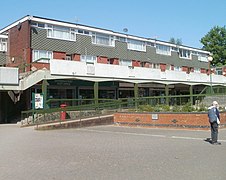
{"x": 136, "y": 91}
{"x": 44, "y": 92}
{"x": 96, "y": 92}
{"x": 167, "y": 94}
{"x": 191, "y": 95}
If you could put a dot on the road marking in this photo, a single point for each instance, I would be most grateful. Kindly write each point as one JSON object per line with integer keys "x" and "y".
{"x": 150, "y": 135}
{"x": 127, "y": 133}
{"x": 190, "y": 138}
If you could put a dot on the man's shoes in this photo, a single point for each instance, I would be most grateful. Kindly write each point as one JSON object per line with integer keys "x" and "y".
{"x": 216, "y": 143}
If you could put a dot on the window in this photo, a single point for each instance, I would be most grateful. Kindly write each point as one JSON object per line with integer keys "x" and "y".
{"x": 102, "y": 39}
{"x": 155, "y": 66}
{"x": 177, "y": 68}
{"x": 185, "y": 53}
{"x": 80, "y": 31}
{"x": 197, "y": 70}
{"x": 88, "y": 59}
{"x": 3, "y": 45}
{"x": 175, "y": 49}
{"x": 60, "y": 32}
{"x": 151, "y": 44}
{"x": 68, "y": 57}
{"x": 162, "y": 49}
{"x": 36, "y": 24}
{"x": 125, "y": 62}
{"x": 43, "y": 55}
{"x": 136, "y": 45}
{"x": 202, "y": 57}
{"x": 168, "y": 67}
{"x": 219, "y": 71}
{"x": 121, "y": 39}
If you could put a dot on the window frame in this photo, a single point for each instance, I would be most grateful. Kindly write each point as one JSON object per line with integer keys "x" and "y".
{"x": 49, "y": 55}
{"x": 97, "y": 38}
{"x": 185, "y": 53}
{"x": 89, "y": 59}
{"x": 134, "y": 44}
{"x": 53, "y": 32}
{"x": 3, "y": 45}
{"x": 162, "y": 50}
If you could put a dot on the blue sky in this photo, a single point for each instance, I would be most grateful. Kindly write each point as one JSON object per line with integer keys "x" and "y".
{"x": 188, "y": 20}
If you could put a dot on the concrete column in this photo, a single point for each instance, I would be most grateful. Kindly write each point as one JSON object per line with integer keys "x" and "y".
{"x": 191, "y": 94}
{"x": 96, "y": 92}
{"x": 136, "y": 91}
{"x": 44, "y": 92}
{"x": 167, "y": 93}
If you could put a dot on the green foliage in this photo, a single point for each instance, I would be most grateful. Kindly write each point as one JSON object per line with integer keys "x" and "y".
{"x": 215, "y": 42}
{"x": 188, "y": 108}
{"x": 146, "y": 108}
{"x": 176, "y": 108}
{"x": 165, "y": 108}
{"x": 202, "y": 108}
{"x": 157, "y": 108}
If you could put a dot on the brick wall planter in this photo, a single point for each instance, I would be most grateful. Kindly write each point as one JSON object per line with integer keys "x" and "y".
{"x": 167, "y": 120}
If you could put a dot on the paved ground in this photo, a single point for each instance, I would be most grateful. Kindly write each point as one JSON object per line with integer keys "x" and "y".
{"x": 110, "y": 152}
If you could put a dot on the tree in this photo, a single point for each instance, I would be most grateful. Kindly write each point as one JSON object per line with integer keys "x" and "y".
{"x": 175, "y": 41}
{"x": 215, "y": 42}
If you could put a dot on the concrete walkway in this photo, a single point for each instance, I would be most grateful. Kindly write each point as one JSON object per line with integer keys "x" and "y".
{"x": 110, "y": 153}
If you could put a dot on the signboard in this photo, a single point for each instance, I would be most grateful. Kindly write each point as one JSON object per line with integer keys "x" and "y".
{"x": 38, "y": 98}
{"x": 154, "y": 116}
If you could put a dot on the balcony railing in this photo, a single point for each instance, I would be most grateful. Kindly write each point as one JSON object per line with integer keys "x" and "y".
{"x": 139, "y": 74}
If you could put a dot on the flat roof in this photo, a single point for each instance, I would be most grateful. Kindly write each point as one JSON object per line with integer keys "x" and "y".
{"x": 95, "y": 29}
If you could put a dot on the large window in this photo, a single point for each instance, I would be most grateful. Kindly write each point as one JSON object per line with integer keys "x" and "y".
{"x": 102, "y": 39}
{"x": 202, "y": 57}
{"x": 177, "y": 68}
{"x": 184, "y": 53}
{"x": 42, "y": 56}
{"x": 60, "y": 32}
{"x": 3, "y": 45}
{"x": 88, "y": 59}
{"x": 162, "y": 49}
{"x": 136, "y": 45}
{"x": 125, "y": 62}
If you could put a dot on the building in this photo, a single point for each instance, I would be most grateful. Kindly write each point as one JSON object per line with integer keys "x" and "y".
{"x": 75, "y": 61}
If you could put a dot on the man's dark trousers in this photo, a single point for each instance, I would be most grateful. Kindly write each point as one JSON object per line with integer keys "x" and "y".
{"x": 214, "y": 131}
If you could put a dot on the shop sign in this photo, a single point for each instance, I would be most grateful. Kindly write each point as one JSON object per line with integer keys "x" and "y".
{"x": 38, "y": 101}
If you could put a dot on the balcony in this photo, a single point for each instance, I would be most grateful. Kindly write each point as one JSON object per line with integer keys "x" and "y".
{"x": 107, "y": 72}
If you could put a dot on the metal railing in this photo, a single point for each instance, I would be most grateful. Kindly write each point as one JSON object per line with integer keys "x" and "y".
{"x": 77, "y": 109}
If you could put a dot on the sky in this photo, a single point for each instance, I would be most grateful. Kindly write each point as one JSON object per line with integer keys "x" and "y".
{"x": 188, "y": 20}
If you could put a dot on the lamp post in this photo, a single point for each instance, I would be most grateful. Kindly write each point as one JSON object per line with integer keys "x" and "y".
{"x": 210, "y": 59}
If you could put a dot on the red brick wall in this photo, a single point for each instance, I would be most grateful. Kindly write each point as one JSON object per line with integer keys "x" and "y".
{"x": 59, "y": 55}
{"x": 203, "y": 70}
{"x": 103, "y": 60}
{"x": 76, "y": 57}
{"x": 19, "y": 44}
{"x": 114, "y": 61}
{"x": 185, "y": 69}
{"x": 163, "y": 67}
{"x": 136, "y": 63}
{"x": 186, "y": 120}
{"x": 41, "y": 65}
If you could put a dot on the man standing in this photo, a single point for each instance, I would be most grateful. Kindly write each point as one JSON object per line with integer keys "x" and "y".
{"x": 214, "y": 119}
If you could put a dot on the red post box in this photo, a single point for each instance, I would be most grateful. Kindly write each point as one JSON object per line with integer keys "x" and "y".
{"x": 63, "y": 112}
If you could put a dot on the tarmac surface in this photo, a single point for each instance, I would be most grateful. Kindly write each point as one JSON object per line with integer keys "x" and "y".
{"x": 110, "y": 153}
